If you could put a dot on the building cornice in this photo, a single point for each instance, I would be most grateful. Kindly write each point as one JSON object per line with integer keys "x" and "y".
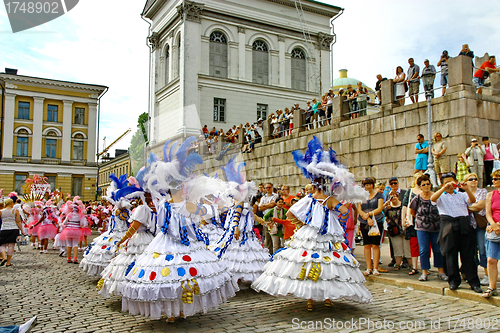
{"x": 31, "y": 80}
{"x": 312, "y": 6}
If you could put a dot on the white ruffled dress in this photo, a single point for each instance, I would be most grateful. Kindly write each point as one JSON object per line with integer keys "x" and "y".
{"x": 214, "y": 227}
{"x": 176, "y": 273}
{"x": 245, "y": 257}
{"x": 114, "y": 274}
{"x": 316, "y": 263}
{"x": 99, "y": 253}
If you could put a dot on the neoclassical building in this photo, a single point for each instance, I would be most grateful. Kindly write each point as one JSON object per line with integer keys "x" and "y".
{"x": 220, "y": 63}
{"x": 48, "y": 128}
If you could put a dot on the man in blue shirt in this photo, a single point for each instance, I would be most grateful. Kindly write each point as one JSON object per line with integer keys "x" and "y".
{"x": 421, "y": 149}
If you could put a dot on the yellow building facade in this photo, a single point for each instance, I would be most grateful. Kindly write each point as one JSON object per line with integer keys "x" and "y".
{"x": 119, "y": 165}
{"x": 49, "y": 128}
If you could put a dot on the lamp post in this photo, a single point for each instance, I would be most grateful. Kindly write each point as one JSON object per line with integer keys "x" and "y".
{"x": 428, "y": 80}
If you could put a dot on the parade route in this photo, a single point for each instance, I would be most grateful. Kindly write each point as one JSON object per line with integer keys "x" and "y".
{"x": 65, "y": 300}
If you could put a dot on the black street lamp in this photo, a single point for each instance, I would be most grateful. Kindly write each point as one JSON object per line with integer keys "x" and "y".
{"x": 428, "y": 81}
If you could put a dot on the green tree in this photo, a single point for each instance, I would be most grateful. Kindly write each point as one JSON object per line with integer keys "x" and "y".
{"x": 137, "y": 147}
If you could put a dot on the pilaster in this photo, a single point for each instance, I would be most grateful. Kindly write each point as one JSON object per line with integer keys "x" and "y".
{"x": 66, "y": 135}
{"x": 241, "y": 53}
{"x": 282, "y": 70}
{"x": 91, "y": 137}
{"x": 8, "y": 127}
{"x": 36, "y": 147}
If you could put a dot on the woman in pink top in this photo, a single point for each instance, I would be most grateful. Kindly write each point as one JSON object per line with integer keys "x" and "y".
{"x": 493, "y": 248}
{"x": 489, "y": 158}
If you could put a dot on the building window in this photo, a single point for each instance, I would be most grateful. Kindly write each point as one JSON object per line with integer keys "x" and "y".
{"x": 76, "y": 188}
{"x": 50, "y": 148}
{"x": 260, "y": 62}
{"x": 52, "y": 112}
{"x": 298, "y": 69}
{"x": 178, "y": 69}
{"x": 167, "y": 60}
{"x": 261, "y": 111}
{"x": 22, "y": 143}
{"x": 219, "y": 109}
{"x": 80, "y": 116}
{"x": 78, "y": 147}
{"x": 218, "y": 54}
{"x": 52, "y": 181}
{"x": 20, "y": 181}
{"x": 23, "y": 110}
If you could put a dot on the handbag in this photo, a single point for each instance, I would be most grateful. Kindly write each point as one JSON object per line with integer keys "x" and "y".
{"x": 374, "y": 230}
{"x": 393, "y": 229}
{"x": 493, "y": 237}
{"x": 481, "y": 220}
{"x": 486, "y": 74}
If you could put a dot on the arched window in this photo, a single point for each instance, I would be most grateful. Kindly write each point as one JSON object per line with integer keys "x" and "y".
{"x": 51, "y": 144}
{"x": 299, "y": 77}
{"x": 166, "y": 62}
{"x": 260, "y": 62}
{"x": 78, "y": 147}
{"x": 218, "y": 54}
{"x": 22, "y": 142}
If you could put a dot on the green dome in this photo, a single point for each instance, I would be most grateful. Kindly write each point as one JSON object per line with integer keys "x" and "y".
{"x": 343, "y": 81}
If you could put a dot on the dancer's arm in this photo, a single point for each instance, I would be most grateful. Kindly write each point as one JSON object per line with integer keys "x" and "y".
{"x": 130, "y": 232}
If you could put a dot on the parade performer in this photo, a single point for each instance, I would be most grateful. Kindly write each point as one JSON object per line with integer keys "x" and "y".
{"x": 176, "y": 275}
{"x": 103, "y": 248}
{"x": 138, "y": 236}
{"x": 240, "y": 248}
{"x": 34, "y": 209}
{"x": 58, "y": 243}
{"x": 47, "y": 226}
{"x": 317, "y": 264}
{"x": 72, "y": 232}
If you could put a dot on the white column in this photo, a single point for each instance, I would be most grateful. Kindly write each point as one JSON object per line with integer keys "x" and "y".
{"x": 281, "y": 49}
{"x": 91, "y": 137}
{"x": 8, "y": 127}
{"x": 36, "y": 147}
{"x": 248, "y": 63}
{"x": 241, "y": 53}
{"x": 274, "y": 68}
{"x": 66, "y": 135}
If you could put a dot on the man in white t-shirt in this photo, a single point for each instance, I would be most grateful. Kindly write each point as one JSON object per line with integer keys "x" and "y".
{"x": 267, "y": 202}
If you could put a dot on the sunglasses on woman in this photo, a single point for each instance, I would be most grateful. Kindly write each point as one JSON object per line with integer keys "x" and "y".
{"x": 472, "y": 179}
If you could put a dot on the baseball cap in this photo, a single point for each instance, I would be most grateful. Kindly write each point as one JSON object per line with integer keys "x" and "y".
{"x": 260, "y": 119}
{"x": 473, "y": 140}
{"x": 426, "y": 60}
{"x": 392, "y": 179}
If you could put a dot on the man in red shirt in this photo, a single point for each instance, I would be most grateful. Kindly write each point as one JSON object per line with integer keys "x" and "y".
{"x": 487, "y": 67}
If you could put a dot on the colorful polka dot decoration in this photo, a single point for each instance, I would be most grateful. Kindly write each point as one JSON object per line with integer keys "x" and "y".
{"x": 135, "y": 270}
{"x": 152, "y": 276}
{"x": 104, "y": 238}
{"x": 327, "y": 259}
{"x": 156, "y": 255}
{"x": 344, "y": 246}
{"x": 337, "y": 246}
{"x": 103, "y": 247}
{"x": 109, "y": 248}
{"x": 116, "y": 242}
{"x": 141, "y": 273}
{"x": 346, "y": 259}
{"x": 304, "y": 254}
{"x": 181, "y": 271}
{"x": 193, "y": 271}
{"x": 336, "y": 255}
{"x": 217, "y": 249}
{"x": 186, "y": 258}
{"x": 165, "y": 271}
{"x": 169, "y": 257}
{"x": 354, "y": 261}
{"x": 111, "y": 239}
{"x": 315, "y": 256}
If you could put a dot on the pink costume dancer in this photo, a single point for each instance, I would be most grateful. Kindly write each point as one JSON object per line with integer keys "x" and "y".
{"x": 47, "y": 227}
{"x": 72, "y": 233}
{"x": 35, "y": 215}
{"x": 57, "y": 240}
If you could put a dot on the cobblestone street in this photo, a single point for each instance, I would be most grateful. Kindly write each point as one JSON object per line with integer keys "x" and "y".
{"x": 65, "y": 300}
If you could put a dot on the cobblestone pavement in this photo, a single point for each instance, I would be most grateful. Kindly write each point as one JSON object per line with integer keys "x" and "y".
{"x": 65, "y": 300}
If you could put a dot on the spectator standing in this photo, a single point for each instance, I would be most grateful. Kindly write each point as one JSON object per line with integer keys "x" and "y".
{"x": 482, "y": 74}
{"x": 399, "y": 80}
{"x": 378, "y": 88}
{"x": 370, "y": 212}
{"x": 428, "y": 69}
{"x": 461, "y": 167}
{"x": 421, "y": 149}
{"x": 493, "y": 248}
{"x": 329, "y": 105}
{"x": 456, "y": 235}
{"x": 443, "y": 63}
{"x": 413, "y": 80}
{"x": 475, "y": 156}
{"x": 362, "y": 98}
{"x": 322, "y": 110}
{"x": 400, "y": 246}
{"x": 394, "y": 190}
{"x": 427, "y": 226}
{"x": 276, "y": 229}
{"x": 477, "y": 214}
{"x": 205, "y": 131}
{"x": 315, "y": 109}
{"x": 467, "y": 52}
{"x": 267, "y": 202}
{"x": 309, "y": 114}
{"x": 353, "y": 104}
{"x": 286, "y": 122}
{"x": 409, "y": 225}
{"x": 287, "y": 198}
{"x": 10, "y": 228}
{"x": 441, "y": 164}
{"x": 491, "y": 155}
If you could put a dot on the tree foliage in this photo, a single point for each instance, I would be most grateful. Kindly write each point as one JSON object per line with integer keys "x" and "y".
{"x": 137, "y": 147}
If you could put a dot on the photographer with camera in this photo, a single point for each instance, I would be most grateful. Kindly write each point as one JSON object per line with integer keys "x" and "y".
{"x": 475, "y": 156}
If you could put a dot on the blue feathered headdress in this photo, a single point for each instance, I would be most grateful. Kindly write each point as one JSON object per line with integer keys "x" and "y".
{"x": 234, "y": 173}
{"x": 316, "y": 162}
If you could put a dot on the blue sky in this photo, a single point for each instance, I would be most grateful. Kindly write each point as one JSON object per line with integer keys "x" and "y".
{"x": 104, "y": 42}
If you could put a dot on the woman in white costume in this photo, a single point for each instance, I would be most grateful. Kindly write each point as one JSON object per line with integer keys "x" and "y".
{"x": 103, "y": 248}
{"x": 316, "y": 264}
{"x": 239, "y": 247}
{"x": 177, "y": 275}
